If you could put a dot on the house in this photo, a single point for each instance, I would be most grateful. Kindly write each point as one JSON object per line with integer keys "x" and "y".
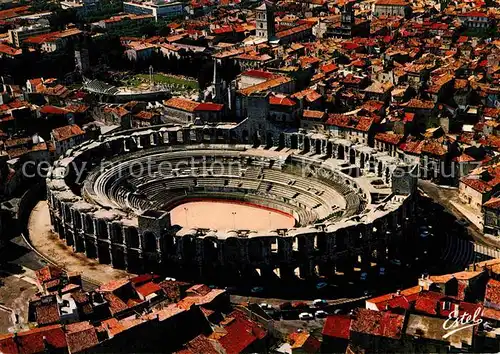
{"x": 64, "y": 138}
{"x": 391, "y": 8}
{"x": 312, "y": 119}
{"x": 475, "y": 20}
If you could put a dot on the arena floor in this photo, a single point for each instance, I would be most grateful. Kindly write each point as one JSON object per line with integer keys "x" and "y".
{"x": 225, "y": 215}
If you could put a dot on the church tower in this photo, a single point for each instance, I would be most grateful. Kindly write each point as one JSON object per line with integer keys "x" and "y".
{"x": 264, "y": 21}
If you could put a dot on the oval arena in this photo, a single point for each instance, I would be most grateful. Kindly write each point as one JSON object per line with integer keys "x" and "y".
{"x": 112, "y": 199}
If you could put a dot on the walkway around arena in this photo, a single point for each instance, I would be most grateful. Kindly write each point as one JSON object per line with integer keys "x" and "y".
{"x": 46, "y": 242}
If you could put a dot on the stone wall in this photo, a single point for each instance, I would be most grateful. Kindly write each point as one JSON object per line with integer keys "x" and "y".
{"x": 147, "y": 242}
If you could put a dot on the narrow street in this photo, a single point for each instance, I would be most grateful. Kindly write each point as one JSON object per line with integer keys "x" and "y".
{"x": 444, "y": 196}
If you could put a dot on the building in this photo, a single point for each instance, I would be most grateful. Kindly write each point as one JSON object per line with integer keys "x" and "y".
{"x": 475, "y": 20}
{"x": 157, "y": 8}
{"x": 66, "y": 137}
{"x": 264, "y": 21}
{"x": 391, "y": 8}
{"x": 18, "y": 35}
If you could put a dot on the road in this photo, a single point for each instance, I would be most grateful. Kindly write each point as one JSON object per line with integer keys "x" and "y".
{"x": 443, "y": 196}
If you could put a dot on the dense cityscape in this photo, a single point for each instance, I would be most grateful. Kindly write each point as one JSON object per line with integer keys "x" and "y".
{"x": 246, "y": 176}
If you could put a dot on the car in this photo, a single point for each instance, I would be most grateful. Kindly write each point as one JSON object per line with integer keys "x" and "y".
{"x": 424, "y": 234}
{"x": 265, "y": 306}
{"x": 320, "y": 303}
{"x": 320, "y": 314}
{"x": 381, "y": 271}
{"x": 287, "y": 305}
{"x": 257, "y": 289}
{"x": 321, "y": 285}
{"x": 396, "y": 262}
{"x": 305, "y": 316}
{"x": 363, "y": 276}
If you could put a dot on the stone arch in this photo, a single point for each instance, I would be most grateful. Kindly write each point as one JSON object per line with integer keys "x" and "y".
{"x": 149, "y": 241}
{"x": 152, "y": 139}
{"x": 318, "y": 146}
{"x": 179, "y": 137}
{"x": 352, "y": 156}
{"x": 329, "y": 149}
{"x": 89, "y": 224}
{"x": 294, "y": 141}
{"x": 371, "y": 164}
{"x": 281, "y": 142}
{"x": 232, "y": 137}
{"x": 340, "y": 152}
{"x": 206, "y": 135}
{"x": 133, "y": 240}
{"x": 67, "y": 213}
{"x": 269, "y": 140}
{"x": 102, "y": 229}
{"x": 307, "y": 144}
{"x": 117, "y": 233}
{"x": 245, "y": 136}
{"x": 256, "y": 140}
{"x": 78, "y": 220}
{"x": 210, "y": 250}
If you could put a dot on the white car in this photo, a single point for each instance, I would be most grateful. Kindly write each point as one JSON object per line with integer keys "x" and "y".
{"x": 320, "y": 302}
{"x": 321, "y": 314}
{"x": 305, "y": 316}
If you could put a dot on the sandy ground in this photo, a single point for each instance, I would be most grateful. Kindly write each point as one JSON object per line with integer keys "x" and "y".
{"x": 48, "y": 243}
{"x": 14, "y": 296}
{"x": 227, "y": 215}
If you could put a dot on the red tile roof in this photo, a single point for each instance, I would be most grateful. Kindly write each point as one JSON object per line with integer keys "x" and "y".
{"x": 259, "y": 74}
{"x": 376, "y": 323}
{"x": 7, "y": 344}
{"x": 209, "y": 106}
{"x": 309, "y": 114}
{"x": 182, "y": 104}
{"x": 48, "y": 273}
{"x": 241, "y": 333}
{"x": 492, "y": 294}
{"x": 67, "y": 132}
{"x": 8, "y": 50}
{"x": 81, "y": 336}
{"x": 47, "y": 314}
{"x": 148, "y": 289}
{"x": 281, "y": 101}
{"x": 337, "y": 326}
{"x": 304, "y": 341}
{"x": 389, "y": 138}
{"x": 364, "y": 124}
{"x": 47, "y": 109}
{"x": 32, "y": 341}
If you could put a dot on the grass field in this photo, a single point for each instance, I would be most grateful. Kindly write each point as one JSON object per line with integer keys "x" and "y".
{"x": 163, "y": 79}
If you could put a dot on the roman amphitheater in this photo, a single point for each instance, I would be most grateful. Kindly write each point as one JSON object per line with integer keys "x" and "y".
{"x": 209, "y": 203}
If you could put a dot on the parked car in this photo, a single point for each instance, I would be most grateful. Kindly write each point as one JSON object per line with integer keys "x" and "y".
{"x": 256, "y": 289}
{"x": 320, "y": 314}
{"x": 320, "y": 303}
{"x": 396, "y": 262}
{"x": 305, "y": 316}
{"x": 287, "y": 305}
{"x": 321, "y": 285}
